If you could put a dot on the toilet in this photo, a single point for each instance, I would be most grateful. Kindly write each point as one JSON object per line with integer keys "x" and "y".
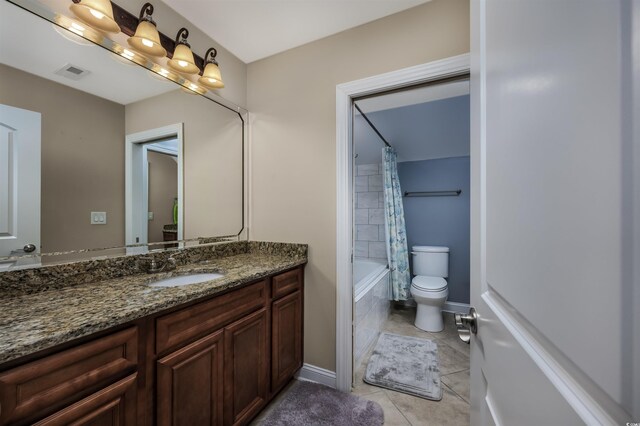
{"x": 429, "y": 287}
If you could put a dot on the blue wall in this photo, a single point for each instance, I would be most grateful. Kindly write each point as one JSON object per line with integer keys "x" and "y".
{"x": 440, "y": 221}
{"x": 435, "y": 129}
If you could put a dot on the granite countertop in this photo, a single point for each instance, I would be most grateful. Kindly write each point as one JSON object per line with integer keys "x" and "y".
{"x": 33, "y": 321}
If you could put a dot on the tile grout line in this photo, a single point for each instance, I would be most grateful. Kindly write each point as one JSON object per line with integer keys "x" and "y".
{"x": 444, "y": 341}
{"x": 454, "y": 392}
{"x": 394, "y": 404}
{"x": 454, "y": 372}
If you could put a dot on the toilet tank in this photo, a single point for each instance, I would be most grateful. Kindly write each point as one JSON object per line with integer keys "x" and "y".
{"x": 432, "y": 261}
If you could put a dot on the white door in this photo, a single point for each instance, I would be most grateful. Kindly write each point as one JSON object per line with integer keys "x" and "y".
{"x": 554, "y": 231}
{"x": 19, "y": 181}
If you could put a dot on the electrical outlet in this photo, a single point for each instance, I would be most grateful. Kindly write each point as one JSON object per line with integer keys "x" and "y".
{"x": 98, "y": 218}
{"x": 150, "y": 215}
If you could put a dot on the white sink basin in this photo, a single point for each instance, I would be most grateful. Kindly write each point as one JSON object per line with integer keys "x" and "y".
{"x": 181, "y": 280}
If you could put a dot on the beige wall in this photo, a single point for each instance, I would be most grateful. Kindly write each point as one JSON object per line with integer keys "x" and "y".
{"x": 82, "y": 160}
{"x": 163, "y": 189}
{"x": 212, "y": 157}
{"x": 292, "y": 99}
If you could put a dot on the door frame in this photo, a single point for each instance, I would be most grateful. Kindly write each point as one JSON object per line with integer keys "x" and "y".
{"x": 135, "y": 152}
{"x": 436, "y": 70}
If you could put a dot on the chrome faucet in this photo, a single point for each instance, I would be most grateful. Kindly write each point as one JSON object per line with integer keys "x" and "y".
{"x": 153, "y": 266}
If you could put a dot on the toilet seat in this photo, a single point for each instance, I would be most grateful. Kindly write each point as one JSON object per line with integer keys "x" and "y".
{"x": 425, "y": 283}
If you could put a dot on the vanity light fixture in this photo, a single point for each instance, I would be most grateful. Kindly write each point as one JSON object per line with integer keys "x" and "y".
{"x": 182, "y": 60}
{"x": 77, "y": 32}
{"x": 76, "y": 28}
{"x": 211, "y": 77}
{"x": 128, "y": 54}
{"x": 146, "y": 38}
{"x": 96, "y": 13}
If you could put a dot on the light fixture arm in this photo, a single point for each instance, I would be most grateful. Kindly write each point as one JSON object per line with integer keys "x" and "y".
{"x": 181, "y": 37}
{"x": 146, "y": 12}
{"x": 211, "y": 60}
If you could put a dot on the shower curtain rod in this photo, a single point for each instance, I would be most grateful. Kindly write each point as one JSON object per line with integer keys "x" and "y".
{"x": 371, "y": 124}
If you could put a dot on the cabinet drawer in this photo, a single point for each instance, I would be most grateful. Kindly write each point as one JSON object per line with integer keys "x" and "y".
{"x": 187, "y": 324}
{"x": 40, "y": 387}
{"x": 286, "y": 283}
{"x": 113, "y": 405}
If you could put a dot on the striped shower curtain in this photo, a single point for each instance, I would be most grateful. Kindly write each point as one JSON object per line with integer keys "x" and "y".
{"x": 396, "y": 233}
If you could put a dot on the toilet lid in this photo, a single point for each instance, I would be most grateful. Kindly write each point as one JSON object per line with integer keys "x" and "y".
{"x": 429, "y": 283}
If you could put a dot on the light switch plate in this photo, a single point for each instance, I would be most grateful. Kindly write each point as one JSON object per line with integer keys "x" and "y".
{"x": 150, "y": 215}
{"x": 98, "y": 218}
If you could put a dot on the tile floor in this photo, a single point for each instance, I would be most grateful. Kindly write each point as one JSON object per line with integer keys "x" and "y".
{"x": 405, "y": 410}
{"x": 402, "y": 409}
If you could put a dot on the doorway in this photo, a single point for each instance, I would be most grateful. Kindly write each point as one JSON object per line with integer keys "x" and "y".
{"x": 154, "y": 198}
{"x": 345, "y": 94}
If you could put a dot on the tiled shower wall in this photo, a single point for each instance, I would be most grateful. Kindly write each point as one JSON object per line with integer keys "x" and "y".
{"x": 369, "y": 212}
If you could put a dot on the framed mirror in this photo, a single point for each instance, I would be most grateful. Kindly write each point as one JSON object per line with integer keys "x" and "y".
{"x": 101, "y": 154}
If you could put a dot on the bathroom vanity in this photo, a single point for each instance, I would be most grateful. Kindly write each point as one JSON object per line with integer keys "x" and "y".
{"x": 86, "y": 336}
{"x": 120, "y": 352}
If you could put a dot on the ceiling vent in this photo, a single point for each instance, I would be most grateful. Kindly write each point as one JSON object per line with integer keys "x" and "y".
{"x": 72, "y": 72}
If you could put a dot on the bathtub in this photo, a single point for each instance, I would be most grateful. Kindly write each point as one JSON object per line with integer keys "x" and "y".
{"x": 366, "y": 273}
{"x": 371, "y": 299}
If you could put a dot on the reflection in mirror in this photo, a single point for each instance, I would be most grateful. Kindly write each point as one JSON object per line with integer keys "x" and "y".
{"x": 98, "y": 152}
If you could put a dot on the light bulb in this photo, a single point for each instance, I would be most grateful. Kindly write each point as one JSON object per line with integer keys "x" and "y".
{"x": 212, "y": 80}
{"x": 147, "y": 43}
{"x": 183, "y": 63}
{"x": 77, "y": 29}
{"x": 127, "y": 54}
{"x": 163, "y": 72}
{"x": 97, "y": 14}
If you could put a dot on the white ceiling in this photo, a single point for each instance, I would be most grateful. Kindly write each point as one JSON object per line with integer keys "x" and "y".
{"x": 43, "y": 50}
{"x": 255, "y": 29}
{"x": 414, "y": 96}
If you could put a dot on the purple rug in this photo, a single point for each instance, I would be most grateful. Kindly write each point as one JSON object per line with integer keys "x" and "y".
{"x": 307, "y": 403}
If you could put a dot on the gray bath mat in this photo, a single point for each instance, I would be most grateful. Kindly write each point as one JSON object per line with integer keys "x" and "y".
{"x": 405, "y": 364}
{"x": 307, "y": 403}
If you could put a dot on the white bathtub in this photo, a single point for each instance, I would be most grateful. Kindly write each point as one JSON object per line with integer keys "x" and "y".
{"x": 366, "y": 273}
{"x": 371, "y": 299}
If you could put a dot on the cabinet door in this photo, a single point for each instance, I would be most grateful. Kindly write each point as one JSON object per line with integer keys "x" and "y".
{"x": 114, "y": 405}
{"x": 190, "y": 384}
{"x": 286, "y": 339}
{"x": 245, "y": 368}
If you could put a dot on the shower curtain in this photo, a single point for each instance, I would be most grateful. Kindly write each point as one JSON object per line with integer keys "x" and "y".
{"x": 396, "y": 234}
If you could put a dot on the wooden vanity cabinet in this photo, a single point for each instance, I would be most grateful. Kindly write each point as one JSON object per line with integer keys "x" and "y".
{"x": 239, "y": 366}
{"x": 286, "y": 327}
{"x": 214, "y": 362}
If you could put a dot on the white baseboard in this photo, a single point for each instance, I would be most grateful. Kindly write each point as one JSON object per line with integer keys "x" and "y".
{"x": 311, "y": 373}
{"x": 453, "y": 307}
{"x": 456, "y": 308}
